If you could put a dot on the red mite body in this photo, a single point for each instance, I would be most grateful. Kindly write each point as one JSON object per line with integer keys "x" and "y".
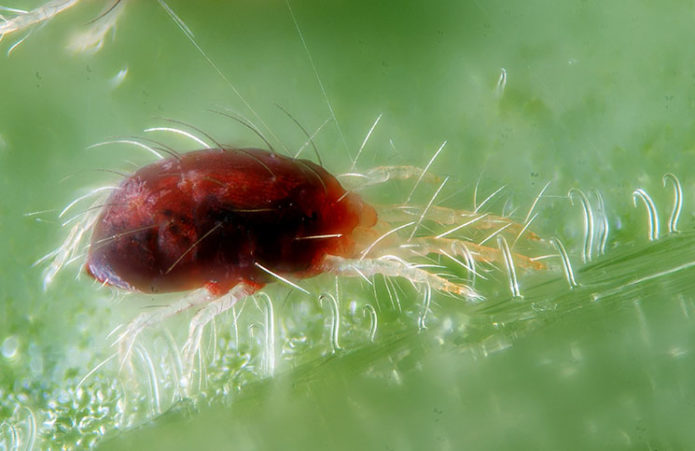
{"x": 214, "y": 218}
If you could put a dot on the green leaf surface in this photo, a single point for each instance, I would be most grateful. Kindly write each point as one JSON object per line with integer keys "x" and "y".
{"x": 597, "y": 96}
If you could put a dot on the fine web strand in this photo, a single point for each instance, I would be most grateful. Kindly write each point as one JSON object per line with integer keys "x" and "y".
{"x": 191, "y": 37}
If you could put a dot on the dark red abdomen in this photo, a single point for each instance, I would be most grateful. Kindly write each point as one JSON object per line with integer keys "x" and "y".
{"x": 211, "y": 217}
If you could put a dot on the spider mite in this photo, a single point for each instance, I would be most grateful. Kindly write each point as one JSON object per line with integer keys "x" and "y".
{"x": 221, "y": 218}
{"x": 221, "y": 223}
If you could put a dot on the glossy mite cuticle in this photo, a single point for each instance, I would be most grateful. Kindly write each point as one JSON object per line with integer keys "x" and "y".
{"x": 215, "y": 218}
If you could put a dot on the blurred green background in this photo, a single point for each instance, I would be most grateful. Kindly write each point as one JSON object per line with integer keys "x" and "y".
{"x": 598, "y": 96}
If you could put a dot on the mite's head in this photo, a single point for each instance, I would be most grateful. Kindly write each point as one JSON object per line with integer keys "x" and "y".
{"x": 364, "y": 214}
{"x": 350, "y": 217}
{"x": 343, "y": 210}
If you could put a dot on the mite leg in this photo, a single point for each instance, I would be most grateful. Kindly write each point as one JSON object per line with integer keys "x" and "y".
{"x": 210, "y": 311}
{"x": 69, "y": 249}
{"x": 463, "y": 219}
{"x": 383, "y": 174}
{"x": 25, "y": 19}
{"x": 389, "y": 265}
{"x": 461, "y": 248}
{"x": 127, "y": 337}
